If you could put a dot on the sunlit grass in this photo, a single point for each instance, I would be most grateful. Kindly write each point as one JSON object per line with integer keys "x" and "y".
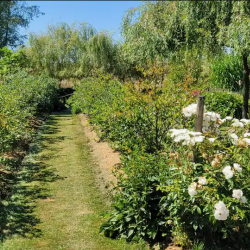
{"x": 70, "y": 208}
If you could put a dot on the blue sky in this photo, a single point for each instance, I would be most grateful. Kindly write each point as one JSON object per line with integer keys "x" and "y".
{"x": 103, "y": 15}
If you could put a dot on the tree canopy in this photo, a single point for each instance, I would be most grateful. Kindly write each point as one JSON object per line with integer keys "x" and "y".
{"x": 72, "y": 51}
{"x": 165, "y": 30}
{"x": 13, "y": 15}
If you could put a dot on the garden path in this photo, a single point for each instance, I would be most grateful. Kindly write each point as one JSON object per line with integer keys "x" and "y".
{"x": 60, "y": 174}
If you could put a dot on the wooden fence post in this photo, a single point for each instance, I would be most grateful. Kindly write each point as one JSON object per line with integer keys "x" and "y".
{"x": 199, "y": 114}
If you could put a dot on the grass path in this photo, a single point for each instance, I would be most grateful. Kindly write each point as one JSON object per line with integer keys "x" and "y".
{"x": 60, "y": 172}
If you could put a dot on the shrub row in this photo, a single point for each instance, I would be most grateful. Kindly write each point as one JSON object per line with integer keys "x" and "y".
{"x": 22, "y": 97}
{"x": 158, "y": 196}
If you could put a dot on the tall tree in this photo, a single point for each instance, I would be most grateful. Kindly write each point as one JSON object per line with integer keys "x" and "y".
{"x": 74, "y": 51}
{"x": 167, "y": 29}
{"x": 223, "y": 25}
{"x": 13, "y": 15}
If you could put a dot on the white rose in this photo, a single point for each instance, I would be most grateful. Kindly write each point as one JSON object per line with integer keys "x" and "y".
{"x": 227, "y": 172}
{"x": 195, "y": 133}
{"x": 211, "y": 139}
{"x": 236, "y": 123}
{"x": 247, "y": 140}
{"x": 193, "y": 185}
{"x": 190, "y": 110}
{"x": 221, "y": 212}
{"x": 237, "y": 193}
{"x": 212, "y": 116}
{"x": 246, "y": 121}
{"x": 192, "y": 189}
{"x": 199, "y": 138}
{"x": 237, "y": 167}
{"x": 234, "y": 138}
{"x": 176, "y": 132}
{"x": 202, "y": 181}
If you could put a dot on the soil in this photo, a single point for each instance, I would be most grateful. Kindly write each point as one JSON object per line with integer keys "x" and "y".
{"x": 105, "y": 157}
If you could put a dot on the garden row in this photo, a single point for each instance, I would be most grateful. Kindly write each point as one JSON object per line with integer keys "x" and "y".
{"x": 24, "y": 102}
{"x": 173, "y": 184}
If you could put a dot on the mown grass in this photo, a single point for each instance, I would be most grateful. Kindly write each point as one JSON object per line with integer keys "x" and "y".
{"x": 60, "y": 174}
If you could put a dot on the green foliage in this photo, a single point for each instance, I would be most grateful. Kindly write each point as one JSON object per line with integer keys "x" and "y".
{"x": 11, "y": 61}
{"x": 226, "y": 72}
{"x": 152, "y": 32}
{"x": 13, "y": 15}
{"x": 133, "y": 116}
{"x": 137, "y": 210}
{"x": 163, "y": 31}
{"x": 72, "y": 51}
{"x": 224, "y": 103}
{"x": 58, "y": 52}
{"x": 151, "y": 201}
{"x": 21, "y": 97}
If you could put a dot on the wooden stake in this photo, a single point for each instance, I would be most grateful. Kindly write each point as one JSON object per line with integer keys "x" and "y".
{"x": 199, "y": 114}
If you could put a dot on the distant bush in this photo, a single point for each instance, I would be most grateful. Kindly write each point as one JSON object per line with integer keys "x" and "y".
{"x": 11, "y": 61}
{"x": 226, "y": 72}
{"x": 131, "y": 115}
{"x": 224, "y": 103}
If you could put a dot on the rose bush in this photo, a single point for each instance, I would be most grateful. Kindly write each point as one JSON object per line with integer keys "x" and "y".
{"x": 210, "y": 190}
{"x": 173, "y": 182}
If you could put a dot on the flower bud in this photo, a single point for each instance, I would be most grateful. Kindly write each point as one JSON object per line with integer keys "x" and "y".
{"x": 218, "y": 157}
{"x": 169, "y": 222}
{"x": 214, "y": 163}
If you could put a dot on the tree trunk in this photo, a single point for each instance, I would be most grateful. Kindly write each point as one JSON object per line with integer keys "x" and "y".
{"x": 246, "y": 87}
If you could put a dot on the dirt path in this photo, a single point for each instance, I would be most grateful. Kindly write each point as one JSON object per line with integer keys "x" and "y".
{"x": 61, "y": 172}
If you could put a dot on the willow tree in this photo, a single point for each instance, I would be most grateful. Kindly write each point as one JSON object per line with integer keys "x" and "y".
{"x": 74, "y": 51}
{"x": 60, "y": 49}
{"x": 101, "y": 53}
{"x": 145, "y": 37}
{"x": 155, "y": 33}
{"x": 220, "y": 25}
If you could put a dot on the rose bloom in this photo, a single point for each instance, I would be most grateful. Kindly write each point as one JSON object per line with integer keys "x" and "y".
{"x": 237, "y": 193}
{"x": 227, "y": 171}
{"x": 221, "y": 212}
{"x": 202, "y": 181}
{"x": 237, "y": 167}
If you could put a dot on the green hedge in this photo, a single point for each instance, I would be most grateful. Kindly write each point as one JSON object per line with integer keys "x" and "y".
{"x": 227, "y": 104}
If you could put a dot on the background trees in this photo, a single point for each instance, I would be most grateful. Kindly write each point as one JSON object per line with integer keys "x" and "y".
{"x": 166, "y": 31}
{"x": 72, "y": 51}
{"x": 13, "y": 15}
{"x": 221, "y": 26}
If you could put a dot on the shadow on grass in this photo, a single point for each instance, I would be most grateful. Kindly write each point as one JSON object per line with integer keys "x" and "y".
{"x": 17, "y": 213}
